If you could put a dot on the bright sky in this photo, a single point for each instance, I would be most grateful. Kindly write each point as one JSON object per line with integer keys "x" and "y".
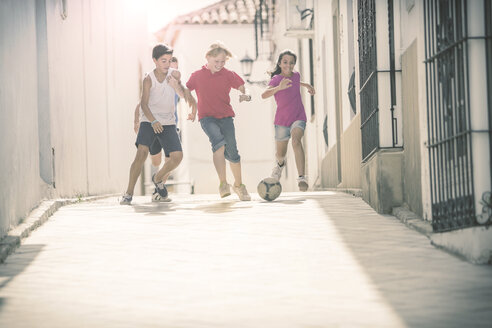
{"x": 161, "y": 12}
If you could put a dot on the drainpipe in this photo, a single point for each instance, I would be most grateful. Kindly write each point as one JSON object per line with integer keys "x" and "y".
{"x": 391, "y": 31}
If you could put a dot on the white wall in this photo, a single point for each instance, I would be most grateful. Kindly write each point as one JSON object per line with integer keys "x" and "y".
{"x": 19, "y": 161}
{"x": 71, "y": 85}
{"x": 253, "y": 120}
{"x": 412, "y": 29}
{"x": 95, "y": 82}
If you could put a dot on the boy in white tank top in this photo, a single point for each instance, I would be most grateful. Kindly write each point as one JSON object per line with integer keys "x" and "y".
{"x": 157, "y": 121}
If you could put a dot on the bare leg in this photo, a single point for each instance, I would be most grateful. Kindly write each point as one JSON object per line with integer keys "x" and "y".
{"x": 281, "y": 147}
{"x": 169, "y": 173}
{"x": 174, "y": 160}
{"x": 297, "y": 134}
{"x": 156, "y": 159}
{"x": 156, "y": 162}
{"x": 136, "y": 167}
{"x": 220, "y": 165}
{"x": 236, "y": 172}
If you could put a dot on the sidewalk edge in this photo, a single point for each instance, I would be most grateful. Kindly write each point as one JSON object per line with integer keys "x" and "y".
{"x": 413, "y": 221}
{"x": 38, "y": 216}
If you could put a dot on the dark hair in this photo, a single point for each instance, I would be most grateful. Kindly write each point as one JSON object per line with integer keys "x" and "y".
{"x": 174, "y": 60}
{"x": 160, "y": 50}
{"x": 277, "y": 70}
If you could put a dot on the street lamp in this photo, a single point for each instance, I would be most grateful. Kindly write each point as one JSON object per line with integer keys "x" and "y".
{"x": 247, "y": 68}
{"x": 247, "y": 65}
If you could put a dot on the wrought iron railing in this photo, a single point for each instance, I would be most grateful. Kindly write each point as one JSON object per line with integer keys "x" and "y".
{"x": 448, "y": 115}
{"x": 368, "y": 77}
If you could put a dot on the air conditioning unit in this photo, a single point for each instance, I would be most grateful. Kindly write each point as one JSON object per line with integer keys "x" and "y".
{"x": 300, "y": 18}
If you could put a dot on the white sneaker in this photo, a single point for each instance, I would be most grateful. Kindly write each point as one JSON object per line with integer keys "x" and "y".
{"x": 126, "y": 199}
{"x": 302, "y": 183}
{"x": 277, "y": 171}
{"x": 157, "y": 198}
{"x": 224, "y": 189}
{"x": 242, "y": 192}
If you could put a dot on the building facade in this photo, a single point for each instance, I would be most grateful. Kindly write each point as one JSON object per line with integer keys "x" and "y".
{"x": 70, "y": 73}
{"x": 402, "y": 110}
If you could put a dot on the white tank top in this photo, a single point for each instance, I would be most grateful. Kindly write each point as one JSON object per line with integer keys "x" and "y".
{"x": 161, "y": 101}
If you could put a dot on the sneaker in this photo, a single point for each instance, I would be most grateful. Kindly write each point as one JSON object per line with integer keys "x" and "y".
{"x": 277, "y": 171}
{"x": 302, "y": 183}
{"x": 160, "y": 188}
{"x": 242, "y": 192}
{"x": 224, "y": 189}
{"x": 157, "y": 198}
{"x": 126, "y": 199}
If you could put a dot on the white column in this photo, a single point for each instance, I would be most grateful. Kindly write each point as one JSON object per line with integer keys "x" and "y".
{"x": 477, "y": 75}
{"x": 383, "y": 64}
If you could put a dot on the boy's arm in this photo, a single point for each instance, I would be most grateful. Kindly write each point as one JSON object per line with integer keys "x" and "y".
{"x": 190, "y": 100}
{"x": 156, "y": 125}
{"x": 309, "y": 87}
{"x": 136, "y": 120}
{"x": 243, "y": 96}
{"x": 174, "y": 81}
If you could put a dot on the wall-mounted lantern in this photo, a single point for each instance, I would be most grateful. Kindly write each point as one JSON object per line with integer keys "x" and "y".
{"x": 247, "y": 69}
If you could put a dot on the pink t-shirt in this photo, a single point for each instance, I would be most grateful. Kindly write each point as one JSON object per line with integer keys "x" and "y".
{"x": 213, "y": 90}
{"x": 289, "y": 102}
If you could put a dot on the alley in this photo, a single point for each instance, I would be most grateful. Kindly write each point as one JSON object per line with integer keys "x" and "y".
{"x": 319, "y": 259}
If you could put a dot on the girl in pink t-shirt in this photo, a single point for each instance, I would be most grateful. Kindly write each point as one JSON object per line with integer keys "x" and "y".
{"x": 290, "y": 118}
{"x": 212, "y": 84}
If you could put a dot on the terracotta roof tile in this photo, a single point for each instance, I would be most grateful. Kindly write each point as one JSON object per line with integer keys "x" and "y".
{"x": 222, "y": 12}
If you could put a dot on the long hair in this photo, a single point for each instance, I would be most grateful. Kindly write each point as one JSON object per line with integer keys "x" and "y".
{"x": 277, "y": 69}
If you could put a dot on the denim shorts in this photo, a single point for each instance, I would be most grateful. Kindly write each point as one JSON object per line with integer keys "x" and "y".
{"x": 221, "y": 132}
{"x": 282, "y": 133}
{"x": 168, "y": 139}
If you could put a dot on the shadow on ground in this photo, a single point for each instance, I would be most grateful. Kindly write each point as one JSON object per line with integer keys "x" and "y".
{"x": 425, "y": 286}
{"x": 15, "y": 264}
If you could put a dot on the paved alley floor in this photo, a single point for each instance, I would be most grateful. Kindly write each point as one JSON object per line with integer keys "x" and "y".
{"x": 318, "y": 259}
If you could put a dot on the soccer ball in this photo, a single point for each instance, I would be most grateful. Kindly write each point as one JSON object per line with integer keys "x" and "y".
{"x": 269, "y": 189}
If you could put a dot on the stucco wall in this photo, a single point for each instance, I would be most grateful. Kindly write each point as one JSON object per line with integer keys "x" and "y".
{"x": 412, "y": 188}
{"x": 20, "y": 184}
{"x": 329, "y": 173}
{"x": 351, "y": 153}
{"x": 381, "y": 180}
{"x": 69, "y": 85}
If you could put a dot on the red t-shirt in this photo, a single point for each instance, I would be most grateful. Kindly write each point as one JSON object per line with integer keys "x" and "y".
{"x": 213, "y": 90}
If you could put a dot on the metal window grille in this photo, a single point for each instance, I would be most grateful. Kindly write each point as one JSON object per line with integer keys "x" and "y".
{"x": 448, "y": 115}
{"x": 262, "y": 22}
{"x": 368, "y": 77}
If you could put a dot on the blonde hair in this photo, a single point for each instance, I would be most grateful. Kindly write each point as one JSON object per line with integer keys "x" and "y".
{"x": 216, "y": 48}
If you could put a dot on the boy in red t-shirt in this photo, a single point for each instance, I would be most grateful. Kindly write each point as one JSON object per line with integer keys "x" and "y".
{"x": 212, "y": 84}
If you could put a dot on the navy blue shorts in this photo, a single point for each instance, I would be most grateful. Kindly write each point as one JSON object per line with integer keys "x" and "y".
{"x": 168, "y": 139}
{"x": 221, "y": 132}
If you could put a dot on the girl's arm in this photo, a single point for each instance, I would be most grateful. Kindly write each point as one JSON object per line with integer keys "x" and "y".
{"x": 309, "y": 87}
{"x": 284, "y": 84}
